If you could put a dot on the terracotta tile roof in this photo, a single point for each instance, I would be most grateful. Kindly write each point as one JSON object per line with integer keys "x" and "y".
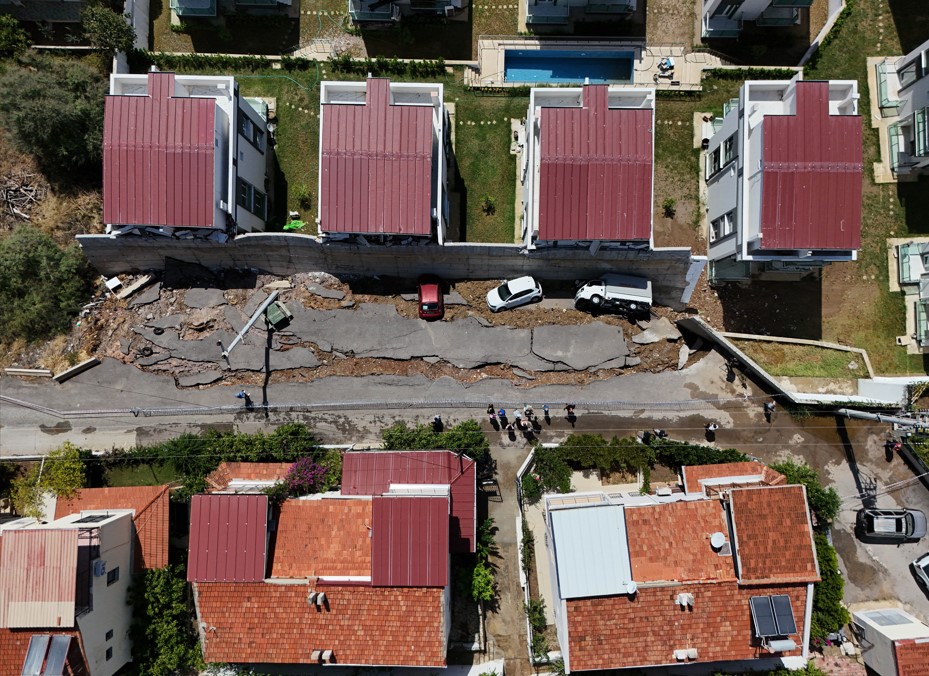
{"x": 272, "y": 623}
{"x": 618, "y": 631}
{"x": 323, "y": 538}
{"x": 912, "y": 657}
{"x": 151, "y": 505}
{"x": 672, "y": 542}
{"x": 14, "y": 644}
{"x": 695, "y": 474}
{"x": 220, "y": 478}
{"x": 773, "y": 538}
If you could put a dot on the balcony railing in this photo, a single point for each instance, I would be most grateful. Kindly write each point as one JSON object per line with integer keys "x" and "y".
{"x": 427, "y": 7}
{"x": 547, "y": 14}
{"x": 721, "y": 27}
{"x": 791, "y": 3}
{"x": 729, "y": 106}
{"x": 778, "y": 16}
{"x": 619, "y": 7}
{"x": 192, "y": 8}
{"x": 886, "y": 70}
{"x": 359, "y": 12}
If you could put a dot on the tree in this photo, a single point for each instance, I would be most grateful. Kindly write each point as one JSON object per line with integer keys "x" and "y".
{"x": 13, "y": 39}
{"x": 57, "y": 113}
{"x": 466, "y": 437}
{"x": 824, "y": 502}
{"x": 62, "y": 475}
{"x": 163, "y": 640}
{"x": 106, "y": 30}
{"x": 828, "y": 612}
{"x": 41, "y": 286}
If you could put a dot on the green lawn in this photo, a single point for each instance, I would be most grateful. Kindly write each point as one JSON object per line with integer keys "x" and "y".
{"x": 808, "y": 361}
{"x": 142, "y": 475}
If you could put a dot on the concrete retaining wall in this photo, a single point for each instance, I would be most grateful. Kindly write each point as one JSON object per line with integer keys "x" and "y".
{"x": 673, "y": 271}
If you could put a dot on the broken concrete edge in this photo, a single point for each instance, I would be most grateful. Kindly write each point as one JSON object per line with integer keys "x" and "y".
{"x": 140, "y": 283}
{"x": 76, "y": 370}
{"x": 28, "y": 373}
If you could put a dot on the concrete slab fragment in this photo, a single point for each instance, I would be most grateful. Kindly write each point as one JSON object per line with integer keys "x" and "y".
{"x": 150, "y": 295}
{"x": 201, "y": 298}
{"x": 579, "y": 347}
{"x": 682, "y": 357}
{"x": 153, "y": 359}
{"x": 454, "y": 298}
{"x": 169, "y": 322}
{"x": 202, "y": 378}
{"x": 322, "y": 291}
{"x": 254, "y": 302}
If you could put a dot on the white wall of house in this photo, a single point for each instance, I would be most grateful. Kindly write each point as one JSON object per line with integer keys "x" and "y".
{"x": 877, "y": 630}
{"x": 568, "y": 97}
{"x": 736, "y": 187}
{"x": 913, "y": 73}
{"x": 251, "y": 164}
{"x": 111, "y": 612}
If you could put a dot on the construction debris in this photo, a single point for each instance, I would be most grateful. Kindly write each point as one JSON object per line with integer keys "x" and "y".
{"x": 20, "y": 192}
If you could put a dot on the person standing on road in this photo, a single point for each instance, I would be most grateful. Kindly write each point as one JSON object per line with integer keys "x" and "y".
{"x": 711, "y": 427}
{"x": 769, "y": 407}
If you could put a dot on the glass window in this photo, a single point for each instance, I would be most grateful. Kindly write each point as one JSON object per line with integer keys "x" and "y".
{"x": 112, "y": 576}
{"x": 713, "y": 162}
{"x": 722, "y": 226}
{"x": 729, "y": 149}
{"x": 250, "y": 198}
{"x": 109, "y": 654}
{"x": 109, "y": 634}
{"x": 921, "y": 119}
{"x": 251, "y": 132}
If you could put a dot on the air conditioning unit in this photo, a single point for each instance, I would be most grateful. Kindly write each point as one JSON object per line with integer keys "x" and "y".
{"x": 99, "y": 568}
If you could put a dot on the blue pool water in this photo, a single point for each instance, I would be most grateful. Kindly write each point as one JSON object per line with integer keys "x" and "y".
{"x": 541, "y": 65}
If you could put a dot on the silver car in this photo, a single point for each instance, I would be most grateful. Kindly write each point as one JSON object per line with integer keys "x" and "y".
{"x": 514, "y": 293}
{"x": 892, "y": 525}
{"x": 921, "y": 571}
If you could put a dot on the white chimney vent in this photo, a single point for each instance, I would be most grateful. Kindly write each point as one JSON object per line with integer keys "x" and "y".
{"x": 685, "y": 600}
{"x": 327, "y": 657}
{"x": 680, "y": 655}
{"x": 321, "y": 599}
{"x": 311, "y": 598}
{"x": 691, "y": 653}
{"x": 316, "y": 655}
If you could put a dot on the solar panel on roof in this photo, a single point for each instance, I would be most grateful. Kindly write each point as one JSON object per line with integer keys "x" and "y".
{"x": 35, "y": 655}
{"x": 763, "y": 615}
{"x": 93, "y": 518}
{"x": 55, "y": 664}
{"x": 783, "y": 615}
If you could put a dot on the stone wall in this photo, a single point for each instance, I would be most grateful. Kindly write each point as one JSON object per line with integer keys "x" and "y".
{"x": 673, "y": 271}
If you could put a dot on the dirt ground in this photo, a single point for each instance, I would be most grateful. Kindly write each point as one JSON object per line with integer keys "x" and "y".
{"x": 670, "y": 22}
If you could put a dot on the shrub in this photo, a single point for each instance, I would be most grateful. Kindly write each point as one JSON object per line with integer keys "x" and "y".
{"x": 464, "y": 437}
{"x": 41, "y": 286}
{"x": 305, "y": 477}
{"x": 528, "y": 547}
{"x": 483, "y": 587}
{"x": 485, "y": 546}
{"x": 106, "y": 30}
{"x": 13, "y": 39}
{"x": 488, "y": 205}
{"x": 828, "y": 612}
{"x": 677, "y": 454}
{"x": 554, "y": 473}
{"x": 61, "y": 475}
{"x": 535, "y": 611}
{"x": 163, "y": 638}
{"x": 824, "y": 502}
{"x": 669, "y": 207}
{"x": 57, "y": 113}
{"x": 532, "y": 487}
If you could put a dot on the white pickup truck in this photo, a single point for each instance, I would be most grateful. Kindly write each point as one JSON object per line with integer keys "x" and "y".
{"x": 627, "y": 294}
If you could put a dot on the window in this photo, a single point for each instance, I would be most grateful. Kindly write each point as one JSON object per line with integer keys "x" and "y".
{"x": 722, "y": 226}
{"x": 250, "y": 198}
{"x": 109, "y": 635}
{"x": 713, "y": 162}
{"x": 913, "y": 71}
{"x": 251, "y": 132}
{"x": 109, "y": 654}
{"x": 729, "y": 150}
{"x": 112, "y": 576}
{"x": 921, "y": 119}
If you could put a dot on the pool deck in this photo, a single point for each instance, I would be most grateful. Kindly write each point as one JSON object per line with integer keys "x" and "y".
{"x": 491, "y": 55}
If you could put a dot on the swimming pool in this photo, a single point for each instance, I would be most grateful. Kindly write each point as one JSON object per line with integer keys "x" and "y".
{"x": 549, "y": 65}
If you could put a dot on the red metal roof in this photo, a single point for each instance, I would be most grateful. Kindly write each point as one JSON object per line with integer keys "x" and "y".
{"x": 228, "y": 538}
{"x": 595, "y": 178}
{"x": 39, "y": 580}
{"x": 376, "y": 166}
{"x": 367, "y": 473}
{"x": 811, "y": 181}
{"x": 150, "y": 522}
{"x": 409, "y": 545}
{"x": 158, "y": 158}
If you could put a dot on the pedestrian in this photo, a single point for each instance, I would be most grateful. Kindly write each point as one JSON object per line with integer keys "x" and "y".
{"x": 491, "y": 413}
{"x": 527, "y": 409}
{"x": 502, "y": 414}
{"x": 661, "y": 434}
{"x": 711, "y": 427}
{"x": 437, "y": 423}
{"x": 242, "y": 395}
{"x": 517, "y": 416}
{"x": 570, "y": 409}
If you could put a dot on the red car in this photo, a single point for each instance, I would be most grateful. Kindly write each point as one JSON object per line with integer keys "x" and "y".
{"x": 431, "y": 303}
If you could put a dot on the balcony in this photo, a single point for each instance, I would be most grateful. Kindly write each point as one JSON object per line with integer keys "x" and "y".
{"x": 778, "y": 16}
{"x": 721, "y": 27}
{"x": 438, "y": 7}
{"x": 379, "y": 11}
{"x": 617, "y": 7}
{"x": 791, "y": 3}
{"x": 547, "y": 13}
{"x": 888, "y": 87}
{"x": 193, "y": 8}
{"x": 900, "y": 160}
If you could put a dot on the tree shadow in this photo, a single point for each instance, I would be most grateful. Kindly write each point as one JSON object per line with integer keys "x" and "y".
{"x": 768, "y": 46}
{"x": 422, "y": 37}
{"x": 914, "y": 200}
{"x": 911, "y": 22}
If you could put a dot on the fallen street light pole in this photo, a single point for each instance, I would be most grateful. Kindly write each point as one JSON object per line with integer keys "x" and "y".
{"x": 254, "y": 318}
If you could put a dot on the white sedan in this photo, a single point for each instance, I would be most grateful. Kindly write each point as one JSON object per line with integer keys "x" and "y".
{"x": 514, "y": 293}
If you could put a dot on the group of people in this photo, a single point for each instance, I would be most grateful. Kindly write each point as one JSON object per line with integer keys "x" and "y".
{"x": 523, "y": 420}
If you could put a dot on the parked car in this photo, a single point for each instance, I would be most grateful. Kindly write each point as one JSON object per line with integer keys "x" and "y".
{"x": 431, "y": 301}
{"x": 921, "y": 571}
{"x": 514, "y": 293}
{"x": 626, "y": 294}
{"x": 892, "y": 525}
